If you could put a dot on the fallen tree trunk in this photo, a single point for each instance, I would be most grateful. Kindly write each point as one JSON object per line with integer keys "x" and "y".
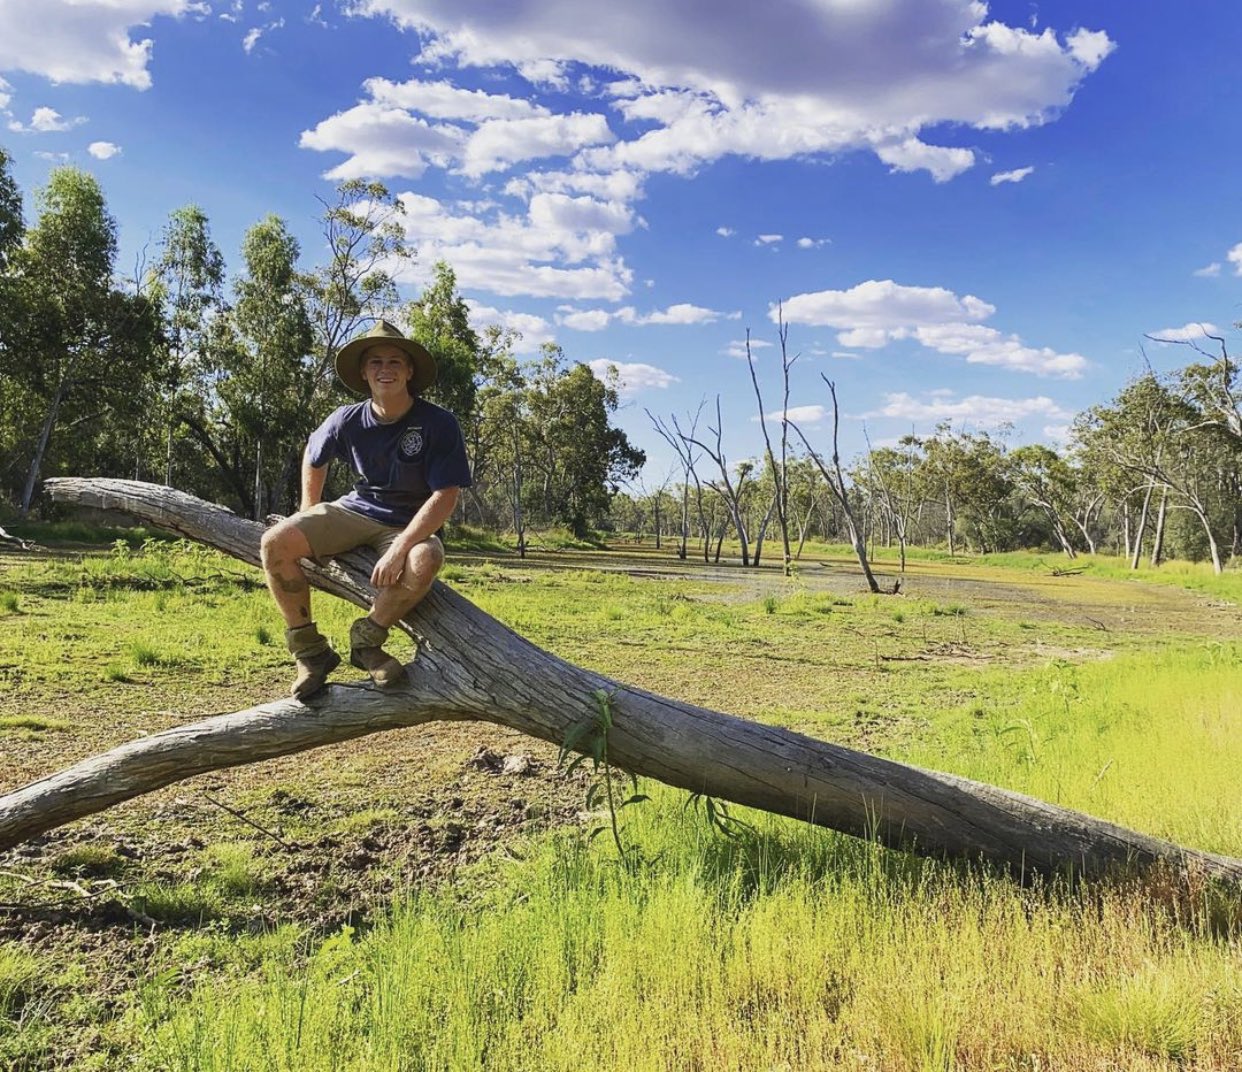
{"x": 470, "y": 667}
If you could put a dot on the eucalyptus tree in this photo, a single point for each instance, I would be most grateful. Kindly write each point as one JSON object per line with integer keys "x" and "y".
{"x": 1162, "y": 439}
{"x": 82, "y": 347}
{"x": 366, "y": 248}
{"x": 187, "y": 280}
{"x": 12, "y": 224}
{"x": 1046, "y": 481}
{"x": 271, "y": 372}
{"x": 504, "y": 412}
{"x": 887, "y": 476}
{"x": 487, "y": 430}
{"x": 12, "y": 391}
{"x": 579, "y": 458}
{"x": 440, "y": 319}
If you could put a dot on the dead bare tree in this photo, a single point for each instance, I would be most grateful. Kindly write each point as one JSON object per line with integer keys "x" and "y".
{"x": 835, "y": 480}
{"x": 681, "y": 444}
{"x": 729, "y": 492}
{"x": 780, "y": 477}
{"x": 470, "y": 667}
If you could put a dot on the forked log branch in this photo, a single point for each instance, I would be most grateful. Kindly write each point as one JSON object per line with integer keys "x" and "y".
{"x": 470, "y": 667}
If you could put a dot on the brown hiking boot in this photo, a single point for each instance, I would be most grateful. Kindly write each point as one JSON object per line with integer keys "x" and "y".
{"x": 315, "y": 660}
{"x": 366, "y": 652}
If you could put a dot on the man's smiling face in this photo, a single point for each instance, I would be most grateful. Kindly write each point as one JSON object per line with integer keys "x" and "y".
{"x": 387, "y": 371}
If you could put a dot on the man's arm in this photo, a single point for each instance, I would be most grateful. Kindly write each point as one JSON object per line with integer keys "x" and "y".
{"x": 313, "y": 478}
{"x": 427, "y": 522}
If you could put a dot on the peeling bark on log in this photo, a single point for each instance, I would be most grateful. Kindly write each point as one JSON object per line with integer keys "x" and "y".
{"x": 470, "y": 667}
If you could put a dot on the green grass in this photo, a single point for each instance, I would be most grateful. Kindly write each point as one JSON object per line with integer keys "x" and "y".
{"x": 1150, "y": 740}
{"x": 231, "y": 869}
{"x": 89, "y": 859}
{"x": 37, "y": 723}
{"x": 19, "y": 973}
{"x": 792, "y": 947}
{"x": 788, "y": 947}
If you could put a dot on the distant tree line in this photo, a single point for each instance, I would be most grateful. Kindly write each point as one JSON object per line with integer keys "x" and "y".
{"x": 211, "y": 382}
{"x": 1155, "y": 473}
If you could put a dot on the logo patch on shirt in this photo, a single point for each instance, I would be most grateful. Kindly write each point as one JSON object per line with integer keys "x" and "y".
{"x": 411, "y": 443}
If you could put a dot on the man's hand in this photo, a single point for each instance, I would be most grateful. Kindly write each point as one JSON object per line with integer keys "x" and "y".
{"x": 389, "y": 568}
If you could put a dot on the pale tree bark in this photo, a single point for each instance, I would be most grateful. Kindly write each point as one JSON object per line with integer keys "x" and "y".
{"x": 1142, "y": 528}
{"x": 1157, "y": 543}
{"x": 470, "y": 667}
{"x": 725, "y": 489}
{"x": 681, "y": 443}
{"x": 837, "y": 486}
{"x": 780, "y": 474}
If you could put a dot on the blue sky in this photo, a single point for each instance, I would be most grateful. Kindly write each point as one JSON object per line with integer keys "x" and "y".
{"x": 970, "y": 212}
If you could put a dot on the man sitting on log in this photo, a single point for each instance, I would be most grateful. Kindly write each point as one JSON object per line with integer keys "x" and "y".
{"x": 412, "y": 460}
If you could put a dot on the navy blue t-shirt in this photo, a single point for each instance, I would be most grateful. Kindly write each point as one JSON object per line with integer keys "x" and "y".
{"x": 400, "y": 463}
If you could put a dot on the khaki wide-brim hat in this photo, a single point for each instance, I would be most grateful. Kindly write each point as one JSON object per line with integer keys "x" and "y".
{"x": 349, "y": 358}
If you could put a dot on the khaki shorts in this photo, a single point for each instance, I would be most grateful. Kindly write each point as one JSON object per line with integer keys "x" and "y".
{"x": 332, "y": 530}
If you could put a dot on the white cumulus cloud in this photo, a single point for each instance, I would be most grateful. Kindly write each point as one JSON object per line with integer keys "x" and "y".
{"x": 1208, "y": 271}
{"x": 1017, "y": 175}
{"x": 83, "y": 40}
{"x": 633, "y": 377}
{"x": 556, "y": 250}
{"x": 915, "y": 155}
{"x": 1196, "y": 331}
{"x": 46, "y": 121}
{"x": 383, "y": 141}
{"x": 979, "y": 410}
{"x": 597, "y": 319}
{"x": 737, "y": 348}
{"x": 808, "y": 415}
{"x": 1234, "y": 257}
{"x": 839, "y": 76}
{"x": 877, "y": 312}
{"x": 103, "y": 150}
{"x": 533, "y": 331}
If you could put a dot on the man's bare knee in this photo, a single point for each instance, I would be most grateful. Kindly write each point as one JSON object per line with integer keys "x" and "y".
{"x": 283, "y": 543}
{"x": 422, "y": 563}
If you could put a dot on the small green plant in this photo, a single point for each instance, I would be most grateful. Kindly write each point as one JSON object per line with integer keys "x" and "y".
{"x": 899, "y": 616}
{"x": 115, "y": 672}
{"x": 231, "y": 869}
{"x": 143, "y": 654}
{"x": 770, "y": 604}
{"x": 718, "y": 817}
{"x": 37, "y": 723}
{"x": 91, "y": 859}
{"x": 182, "y": 902}
{"x": 19, "y": 971}
{"x": 589, "y": 737}
{"x": 9, "y": 603}
{"x": 263, "y": 635}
